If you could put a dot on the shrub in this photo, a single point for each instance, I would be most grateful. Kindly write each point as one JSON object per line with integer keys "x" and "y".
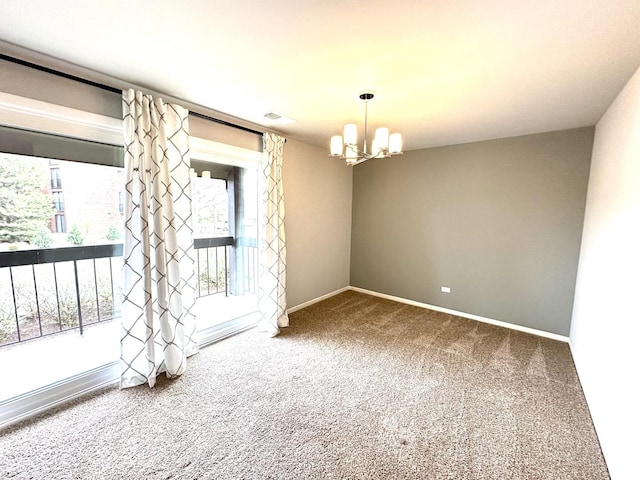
{"x": 43, "y": 239}
{"x": 75, "y": 237}
{"x": 113, "y": 234}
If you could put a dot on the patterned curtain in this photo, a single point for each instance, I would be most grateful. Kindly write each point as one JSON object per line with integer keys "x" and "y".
{"x": 272, "y": 301}
{"x": 158, "y": 324}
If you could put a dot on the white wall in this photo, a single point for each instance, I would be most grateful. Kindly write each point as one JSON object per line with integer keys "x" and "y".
{"x": 317, "y": 192}
{"x": 604, "y": 329}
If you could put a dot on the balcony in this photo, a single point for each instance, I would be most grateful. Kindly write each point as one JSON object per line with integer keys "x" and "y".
{"x": 58, "y": 305}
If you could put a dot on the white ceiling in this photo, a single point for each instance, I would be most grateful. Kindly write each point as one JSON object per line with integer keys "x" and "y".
{"x": 444, "y": 72}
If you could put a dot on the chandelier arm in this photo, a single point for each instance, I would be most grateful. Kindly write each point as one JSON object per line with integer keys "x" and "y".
{"x": 360, "y": 153}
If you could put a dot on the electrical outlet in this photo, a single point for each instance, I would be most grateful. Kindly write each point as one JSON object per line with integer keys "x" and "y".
{"x": 445, "y": 289}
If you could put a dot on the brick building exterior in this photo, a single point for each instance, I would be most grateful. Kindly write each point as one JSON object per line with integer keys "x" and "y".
{"x": 88, "y": 196}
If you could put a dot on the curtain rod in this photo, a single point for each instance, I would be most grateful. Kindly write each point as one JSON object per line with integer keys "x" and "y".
{"x": 228, "y": 124}
{"x": 109, "y": 88}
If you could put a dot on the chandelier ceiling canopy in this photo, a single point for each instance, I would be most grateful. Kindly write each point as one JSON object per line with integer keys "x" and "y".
{"x": 383, "y": 144}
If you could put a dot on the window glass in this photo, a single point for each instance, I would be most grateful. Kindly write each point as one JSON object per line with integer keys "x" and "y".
{"x": 43, "y": 201}
{"x": 210, "y": 207}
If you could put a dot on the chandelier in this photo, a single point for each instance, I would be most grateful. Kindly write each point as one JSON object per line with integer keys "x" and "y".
{"x": 382, "y": 146}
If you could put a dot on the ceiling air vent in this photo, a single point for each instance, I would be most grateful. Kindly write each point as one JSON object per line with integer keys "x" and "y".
{"x": 281, "y": 119}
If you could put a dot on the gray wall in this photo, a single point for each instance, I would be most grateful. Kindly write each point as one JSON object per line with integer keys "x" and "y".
{"x": 499, "y": 222}
{"x": 317, "y": 192}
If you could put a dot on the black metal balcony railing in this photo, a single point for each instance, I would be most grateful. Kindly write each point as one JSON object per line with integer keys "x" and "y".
{"x": 225, "y": 264}
{"x": 57, "y": 289}
{"x": 247, "y": 265}
{"x": 48, "y": 291}
{"x": 218, "y": 281}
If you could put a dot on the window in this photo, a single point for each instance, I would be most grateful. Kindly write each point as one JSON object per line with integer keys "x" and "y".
{"x": 88, "y": 202}
{"x": 225, "y": 208}
{"x": 58, "y": 202}
{"x": 58, "y": 290}
{"x": 210, "y": 198}
{"x": 56, "y": 181}
{"x": 60, "y": 223}
{"x": 67, "y": 288}
{"x": 225, "y": 219}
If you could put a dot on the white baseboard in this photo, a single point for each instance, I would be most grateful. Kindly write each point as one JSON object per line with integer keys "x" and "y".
{"x": 318, "y": 299}
{"x": 37, "y": 401}
{"x": 227, "y": 329}
{"x": 512, "y": 326}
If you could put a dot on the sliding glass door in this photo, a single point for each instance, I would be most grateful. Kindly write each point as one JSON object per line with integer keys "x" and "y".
{"x": 225, "y": 222}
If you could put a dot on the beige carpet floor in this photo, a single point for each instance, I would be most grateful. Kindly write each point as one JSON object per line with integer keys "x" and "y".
{"x": 357, "y": 388}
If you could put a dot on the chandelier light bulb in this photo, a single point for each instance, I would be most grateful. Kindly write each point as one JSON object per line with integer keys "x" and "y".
{"x": 395, "y": 144}
{"x": 350, "y": 134}
{"x": 382, "y": 137}
{"x": 336, "y": 146}
{"x": 376, "y": 149}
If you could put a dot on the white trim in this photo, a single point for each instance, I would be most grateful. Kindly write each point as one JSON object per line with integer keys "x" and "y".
{"x": 471, "y": 316}
{"x": 215, "y": 152}
{"x": 30, "y": 114}
{"x": 227, "y": 329}
{"x": 318, "y": 299}
{"x": 45, "y": 398}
